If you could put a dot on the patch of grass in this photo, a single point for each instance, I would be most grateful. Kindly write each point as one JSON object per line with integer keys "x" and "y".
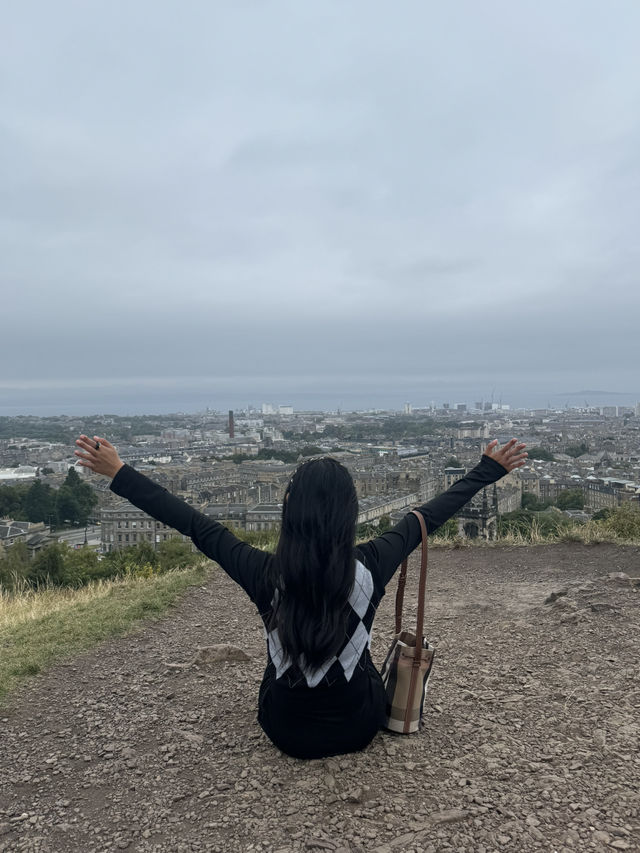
{"x": 39, "y": 627}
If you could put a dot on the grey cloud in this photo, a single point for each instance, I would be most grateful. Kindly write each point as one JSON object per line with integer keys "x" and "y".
{"x": 319, "y": 189}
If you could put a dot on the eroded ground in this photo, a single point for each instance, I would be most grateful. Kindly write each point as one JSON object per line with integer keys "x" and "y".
{"x": 530, "y": 743}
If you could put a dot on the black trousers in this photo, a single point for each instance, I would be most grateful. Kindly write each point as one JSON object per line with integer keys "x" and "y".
{"x": 316, "y": 722}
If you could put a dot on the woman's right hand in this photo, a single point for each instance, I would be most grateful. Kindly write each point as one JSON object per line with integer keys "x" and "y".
{"x": 99, "y": 455}
{"x": 511, "y": 455}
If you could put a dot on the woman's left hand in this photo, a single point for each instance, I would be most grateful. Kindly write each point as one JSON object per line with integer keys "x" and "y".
{"x": 510, "y": 456}
{"x": 99, "y": 455}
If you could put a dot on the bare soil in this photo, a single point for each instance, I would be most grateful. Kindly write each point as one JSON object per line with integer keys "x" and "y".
{"x": 530, "y": 739}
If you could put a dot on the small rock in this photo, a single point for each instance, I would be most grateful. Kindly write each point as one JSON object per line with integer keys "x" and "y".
{"x": 330, "y": 781}
{"x": 602, "y": 607}
{"x": 621, "y": 578}
{"x": 448, "y": 816}
{"x": 557, "y": 593}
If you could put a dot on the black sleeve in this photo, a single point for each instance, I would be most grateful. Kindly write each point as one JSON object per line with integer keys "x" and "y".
{"x": 383, "y": 555}
{"x": 246, "y": 565}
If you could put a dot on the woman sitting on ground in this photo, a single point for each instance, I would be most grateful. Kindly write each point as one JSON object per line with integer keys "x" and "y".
{"x": 317, "y": 595}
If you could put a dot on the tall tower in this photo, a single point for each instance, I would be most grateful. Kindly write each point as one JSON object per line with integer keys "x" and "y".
{"x": 231, "y": 426}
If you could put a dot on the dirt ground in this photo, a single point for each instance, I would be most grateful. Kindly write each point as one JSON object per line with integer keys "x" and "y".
{"x": 530, "y": 739}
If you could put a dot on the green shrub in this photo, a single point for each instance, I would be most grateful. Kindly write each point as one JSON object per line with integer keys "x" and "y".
{"x": 174, "y": 553}
{"x": 265, "y": 539}
{"x": 14, "y": 565}
{"x": 523, "y": 521}
{"x": 624, "y": 521}
{"x": 448, "y": 530}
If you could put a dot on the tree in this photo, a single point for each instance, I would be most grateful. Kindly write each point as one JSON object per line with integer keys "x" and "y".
{"x": 311, "y": 450}
{"x": 570, "y": 499}
{"x": 39, "y": 502}
{"x": 68, "y": 509}
{"x": 541, "y": 453}
{"x": 12, "y": 501}
{"x": 532, "y": 502}
{"x": 576, "y": 450}
{"x": 452, "y": 462}
{"x": 384, "y": 524}
{"x": 74, "y": 501}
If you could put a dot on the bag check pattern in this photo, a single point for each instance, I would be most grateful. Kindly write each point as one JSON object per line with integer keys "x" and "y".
{"x": 407, "y": 667}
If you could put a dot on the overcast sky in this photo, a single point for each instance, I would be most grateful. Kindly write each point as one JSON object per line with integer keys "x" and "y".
{"x": 204, "y": 203}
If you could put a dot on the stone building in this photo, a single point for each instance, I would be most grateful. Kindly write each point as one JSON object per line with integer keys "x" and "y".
{"x": 20, "y": 531}
{"x": 123, "y": 525}
{"x": 264, "y": 517}
{"x": 231, "y": 514}
{"x": 479, "y": 519}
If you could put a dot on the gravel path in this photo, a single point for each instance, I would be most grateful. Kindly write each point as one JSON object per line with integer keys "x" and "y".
{"x": 530, "y": 743}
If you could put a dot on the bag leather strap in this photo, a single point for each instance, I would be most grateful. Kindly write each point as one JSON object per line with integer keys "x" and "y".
{"x": 422, "y": 588}
{"x": 422, "y": 595}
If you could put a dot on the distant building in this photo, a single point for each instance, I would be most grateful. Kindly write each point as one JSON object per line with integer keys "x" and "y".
{"x": 530, "y": 482}
{"x": 20, "y": 531}
{"x": 22, "y": 472}
{"x": 124, "y": 525}
{"x": 452, "y": 475}
{"x": 479, "y": 520}
{"x": 264, "y": 517}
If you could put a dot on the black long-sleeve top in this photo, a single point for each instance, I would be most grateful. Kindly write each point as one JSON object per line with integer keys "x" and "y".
{"x": 376, "y": 560}
{"x": 340, "y": 706}
{"x": 246, "y": 565}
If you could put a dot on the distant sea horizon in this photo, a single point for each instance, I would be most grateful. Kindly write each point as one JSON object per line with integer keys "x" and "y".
{"x": 132, "y": 400}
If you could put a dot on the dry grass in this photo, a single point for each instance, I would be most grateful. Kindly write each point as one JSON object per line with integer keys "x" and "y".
{"x": 589, "y": 533}
{"x": 38, "y": 627}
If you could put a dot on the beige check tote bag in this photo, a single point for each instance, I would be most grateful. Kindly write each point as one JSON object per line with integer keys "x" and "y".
{"x": 407, "y": 667}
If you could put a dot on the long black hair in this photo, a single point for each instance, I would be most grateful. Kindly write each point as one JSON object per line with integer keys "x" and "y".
{"x": 314, "y": 565}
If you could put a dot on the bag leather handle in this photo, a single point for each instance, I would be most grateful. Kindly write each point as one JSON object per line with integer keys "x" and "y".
{"x": 422, "y": 588}
{"x": 422, "y": 595}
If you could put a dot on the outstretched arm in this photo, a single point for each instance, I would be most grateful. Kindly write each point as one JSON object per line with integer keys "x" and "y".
{"x": 246, "y": 565}
{"x": 389, "y": 550}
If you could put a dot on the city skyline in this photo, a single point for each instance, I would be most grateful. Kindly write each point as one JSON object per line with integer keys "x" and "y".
{"x": 162, "y": 405}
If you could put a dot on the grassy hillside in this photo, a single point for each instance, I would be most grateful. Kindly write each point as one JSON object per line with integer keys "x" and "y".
{"x": 40, "y": 626}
